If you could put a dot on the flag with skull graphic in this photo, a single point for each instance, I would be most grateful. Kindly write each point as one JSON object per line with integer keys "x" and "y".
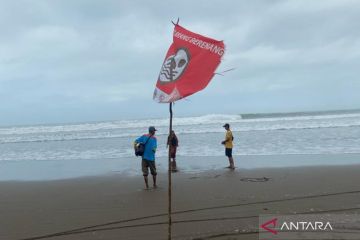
{"x": 189, "y": 65}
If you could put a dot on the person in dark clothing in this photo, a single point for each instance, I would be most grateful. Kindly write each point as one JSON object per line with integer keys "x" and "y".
{"x": 173, "y": 143}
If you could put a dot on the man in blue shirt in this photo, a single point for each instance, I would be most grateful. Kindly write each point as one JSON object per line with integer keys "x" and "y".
{"x": 148, "y": 159}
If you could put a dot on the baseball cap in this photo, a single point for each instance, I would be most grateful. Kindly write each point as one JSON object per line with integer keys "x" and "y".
{"x": 226, "y": 125}
{"x": 152, "y": 129}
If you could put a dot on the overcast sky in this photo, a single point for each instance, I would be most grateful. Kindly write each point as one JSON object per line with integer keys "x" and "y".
{"x": 83, "y": 60}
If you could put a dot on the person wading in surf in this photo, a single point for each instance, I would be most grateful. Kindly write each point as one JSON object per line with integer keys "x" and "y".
{"x": 173, "y": 143}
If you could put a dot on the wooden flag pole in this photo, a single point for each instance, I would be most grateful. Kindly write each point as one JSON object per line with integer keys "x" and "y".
{"x": 169, "y": 177}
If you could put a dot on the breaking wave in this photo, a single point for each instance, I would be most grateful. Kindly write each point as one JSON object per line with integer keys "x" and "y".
{"x": 183, "y": 125}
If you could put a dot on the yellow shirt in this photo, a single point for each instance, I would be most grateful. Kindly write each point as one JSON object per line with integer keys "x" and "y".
{"x": 229, "y": 139}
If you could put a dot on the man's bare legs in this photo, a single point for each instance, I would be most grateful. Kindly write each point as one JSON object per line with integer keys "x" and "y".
{"x": 154, "y": 181}
{"x": 146, "y": 182}
{"x": 231, "y": 163}
{"x": 173, "y": 165}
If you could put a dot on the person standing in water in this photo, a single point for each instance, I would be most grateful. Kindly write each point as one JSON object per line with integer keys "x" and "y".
{"x": 173, "y": 143}
{"x": 228, "y": 142}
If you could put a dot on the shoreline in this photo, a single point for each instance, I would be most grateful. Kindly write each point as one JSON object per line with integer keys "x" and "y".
{"x": 42, "y": 170}
{"x": 221, "y": 202}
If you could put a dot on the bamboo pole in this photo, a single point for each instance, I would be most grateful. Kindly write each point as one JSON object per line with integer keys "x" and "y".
{"x": 169, "y": 177}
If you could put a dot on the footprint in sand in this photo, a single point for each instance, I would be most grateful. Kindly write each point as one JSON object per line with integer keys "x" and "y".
{"x": 263, "y": 179}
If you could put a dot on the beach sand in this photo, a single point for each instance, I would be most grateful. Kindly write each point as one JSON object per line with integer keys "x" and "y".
{"x": 220, "y": 204}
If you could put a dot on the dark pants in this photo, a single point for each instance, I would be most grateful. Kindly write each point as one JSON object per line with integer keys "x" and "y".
{"x": 145, "y": 165}
{"x": 228, "y": 152}
{"x": 172, "y": 152}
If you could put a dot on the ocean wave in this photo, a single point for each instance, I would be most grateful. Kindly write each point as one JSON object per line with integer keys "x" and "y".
{"x": 302, "y": 118}
{"x": 76, "y": 136}
{"x": 205, "y": 124}
{"x": 121, "y": 124}
{"x": 162, "y": 122}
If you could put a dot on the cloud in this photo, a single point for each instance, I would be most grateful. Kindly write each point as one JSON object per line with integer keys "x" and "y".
{"x": 81, "y": 54}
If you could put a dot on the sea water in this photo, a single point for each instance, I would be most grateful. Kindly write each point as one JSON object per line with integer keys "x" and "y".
{"x": 67, "y": 150}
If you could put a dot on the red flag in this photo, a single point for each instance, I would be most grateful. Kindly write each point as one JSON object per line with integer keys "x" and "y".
{"x": 189, "y": 65}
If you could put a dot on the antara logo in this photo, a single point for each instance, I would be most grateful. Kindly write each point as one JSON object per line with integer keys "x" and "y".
{"x": 267, "y": 224}
{"x": 270, "y": 226}
{"x": 304, "y": 226}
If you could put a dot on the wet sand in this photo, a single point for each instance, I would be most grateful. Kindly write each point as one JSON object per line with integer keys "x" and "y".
{"x": 220, "y": 204}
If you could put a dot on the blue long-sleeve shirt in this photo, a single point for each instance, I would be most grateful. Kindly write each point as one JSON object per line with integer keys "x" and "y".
{"x": 150, "y": 147}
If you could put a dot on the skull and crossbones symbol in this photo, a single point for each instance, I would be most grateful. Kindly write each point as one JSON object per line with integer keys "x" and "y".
{"x": 174, "y": 66}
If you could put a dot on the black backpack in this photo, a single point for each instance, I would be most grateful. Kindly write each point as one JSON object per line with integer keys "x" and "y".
{"x": 140, "y": 148}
